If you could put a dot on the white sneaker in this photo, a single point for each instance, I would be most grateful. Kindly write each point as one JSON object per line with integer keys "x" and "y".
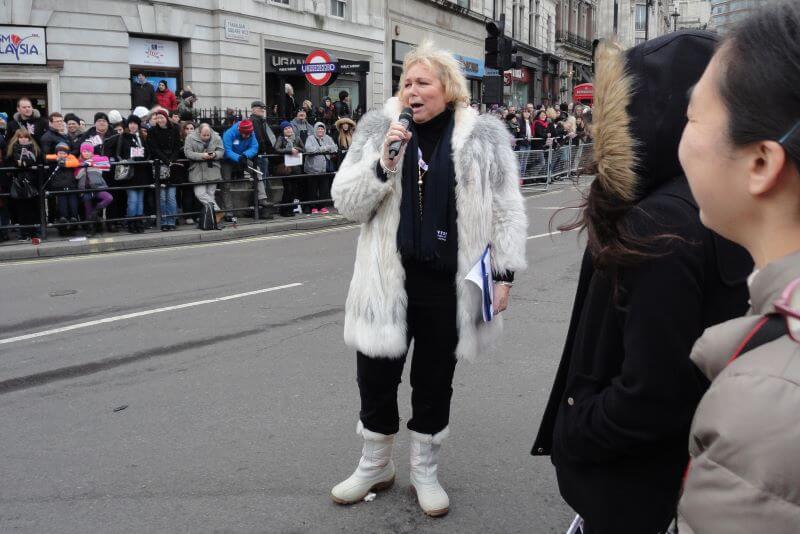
{"x": 424, "y": 466}
{"x": 375, "y": 471}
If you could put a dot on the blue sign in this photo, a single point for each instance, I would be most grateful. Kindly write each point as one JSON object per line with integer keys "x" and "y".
{"x": 473, "y": 68}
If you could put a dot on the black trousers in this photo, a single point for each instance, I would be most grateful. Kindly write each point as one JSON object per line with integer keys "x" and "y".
{"x": 431, "y": 317}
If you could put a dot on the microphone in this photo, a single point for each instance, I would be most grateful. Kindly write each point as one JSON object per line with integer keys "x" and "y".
{"x": 405, "y": 119}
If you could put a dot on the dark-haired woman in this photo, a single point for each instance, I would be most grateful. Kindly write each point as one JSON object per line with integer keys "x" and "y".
{"x": 652, "y": 279}
{"x": 133, "y": 147}
{"x": 745, "y": 445}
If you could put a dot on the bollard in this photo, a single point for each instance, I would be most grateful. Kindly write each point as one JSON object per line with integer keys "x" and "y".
{"x": 42, "y": 203}
{"x": 157, "y": 189}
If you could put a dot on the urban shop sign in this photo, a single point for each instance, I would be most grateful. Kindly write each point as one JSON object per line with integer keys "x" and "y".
{"x": 319, "y": 67}
{"x": 23, "y": 45}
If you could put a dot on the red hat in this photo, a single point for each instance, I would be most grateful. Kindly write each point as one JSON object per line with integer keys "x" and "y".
{"x": 162, "y": 112}
{"x": 246, "y": 127}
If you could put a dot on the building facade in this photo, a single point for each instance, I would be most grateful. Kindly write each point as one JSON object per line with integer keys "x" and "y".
{"x": 575, "y": 31}
{"x": 460, "y": 27}
{"x": 633, "y": 21}
{"x": 726, "y": 13}
{"x": 228, "y": 51}
{"x": 691, "y": 14}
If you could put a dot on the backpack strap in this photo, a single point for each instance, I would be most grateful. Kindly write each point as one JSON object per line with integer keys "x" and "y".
{"x": 768, "y": 329}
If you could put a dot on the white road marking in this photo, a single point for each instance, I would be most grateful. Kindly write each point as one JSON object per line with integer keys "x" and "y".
{"x": 548, "y": 234}
{"x": 144, "y": 313}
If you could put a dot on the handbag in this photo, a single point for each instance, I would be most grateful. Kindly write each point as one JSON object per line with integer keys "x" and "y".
{"x": 121, "y": 172}
{"x": 21, "y": 188}
{"x": 163, "y": 173}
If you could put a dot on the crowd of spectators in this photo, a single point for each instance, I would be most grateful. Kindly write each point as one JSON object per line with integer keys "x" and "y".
{"x": 82, "y": 159}
{"x": 83, "y": 163}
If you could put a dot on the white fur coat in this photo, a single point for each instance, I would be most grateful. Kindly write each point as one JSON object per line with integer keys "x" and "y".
{"x": 490, "y": 211}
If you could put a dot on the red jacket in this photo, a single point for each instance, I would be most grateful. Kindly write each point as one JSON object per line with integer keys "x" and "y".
{"x": 166, "y": 99}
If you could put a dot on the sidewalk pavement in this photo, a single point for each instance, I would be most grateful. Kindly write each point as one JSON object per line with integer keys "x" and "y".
{"x": 185, "y": 235}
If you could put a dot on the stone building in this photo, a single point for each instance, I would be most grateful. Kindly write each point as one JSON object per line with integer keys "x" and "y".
{"x": 633, "y": 21}
{"x": 575, "y": 31}
{"x": 228, "y": 51}
{"x": 460, "y": 27}
{"x": 726, "y": 13}
{"x": 691, "y": 14}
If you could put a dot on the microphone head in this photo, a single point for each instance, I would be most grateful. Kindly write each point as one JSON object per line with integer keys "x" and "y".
{"x": 407, "y": 114}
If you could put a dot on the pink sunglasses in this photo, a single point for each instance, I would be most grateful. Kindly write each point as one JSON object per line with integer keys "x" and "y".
{"x": 789, "y": 306}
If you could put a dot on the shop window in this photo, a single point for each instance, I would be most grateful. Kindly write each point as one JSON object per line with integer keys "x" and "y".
{"x": 338, "y": 8}
{"x": 282, "y": 2}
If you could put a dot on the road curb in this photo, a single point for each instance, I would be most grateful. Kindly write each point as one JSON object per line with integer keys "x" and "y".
{"x": 124, "y": 242}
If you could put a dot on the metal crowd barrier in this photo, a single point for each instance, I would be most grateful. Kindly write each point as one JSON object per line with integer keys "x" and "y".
{"x": 43, "y": 193}
{"x": 545, "y": 168}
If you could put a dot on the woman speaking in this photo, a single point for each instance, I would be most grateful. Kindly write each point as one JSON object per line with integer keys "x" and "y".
{"x": 428, "y": 215}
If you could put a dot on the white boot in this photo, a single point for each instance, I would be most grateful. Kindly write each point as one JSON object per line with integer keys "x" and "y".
{"x": 375, "y": 470}
{"x": 424, "y": 463}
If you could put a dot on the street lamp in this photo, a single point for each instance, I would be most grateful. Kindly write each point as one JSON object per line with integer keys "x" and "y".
{"x": 675, "y": 15}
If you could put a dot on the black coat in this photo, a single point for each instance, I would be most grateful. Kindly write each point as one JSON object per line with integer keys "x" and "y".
{"x": 128, "y": 143}
{"x": 143, "y": 95}
{"x": 165, "y": 145}
{"x": 51, "y": 138}
{"x": 37, "y": 125}
{"x": 618, "y": 417}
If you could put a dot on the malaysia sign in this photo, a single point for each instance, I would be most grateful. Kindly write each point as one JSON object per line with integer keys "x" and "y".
{"x": 23, "y": 45}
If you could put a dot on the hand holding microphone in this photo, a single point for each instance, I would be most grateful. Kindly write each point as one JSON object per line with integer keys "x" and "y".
{"x": 396, "y": 138}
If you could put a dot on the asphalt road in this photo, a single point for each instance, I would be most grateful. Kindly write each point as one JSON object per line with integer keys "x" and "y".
{"x": 196, "y": 389}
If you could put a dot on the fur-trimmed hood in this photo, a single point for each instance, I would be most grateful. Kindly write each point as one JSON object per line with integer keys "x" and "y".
{"x": 34, "y": 117}
{"x": 641, "y": 98}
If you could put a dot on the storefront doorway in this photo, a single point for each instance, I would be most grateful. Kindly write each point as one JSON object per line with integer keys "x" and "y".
{"x": 354, "y": 83}
{"x": 11, "y": 92}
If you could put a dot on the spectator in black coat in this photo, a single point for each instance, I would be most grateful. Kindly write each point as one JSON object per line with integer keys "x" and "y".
{"x": 342, "y": 105}
{"x": 55, "y": 134}
{"x": 164, "y": 142}
{"x": 23, "y": 152}
{"x": 74, "y": 133}
{"x": 652, "y": 279}
{"x": 29, "y": 118}
{"x": 132, "y": 146}
{"x": 142, "y": 93}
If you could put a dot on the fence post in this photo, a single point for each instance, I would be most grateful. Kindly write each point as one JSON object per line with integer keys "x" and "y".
{"x": 157, "y": 183}
{"x": 42, "y": 203}
{"x": 549, "y": 167}
{"x": 256, "y": 178}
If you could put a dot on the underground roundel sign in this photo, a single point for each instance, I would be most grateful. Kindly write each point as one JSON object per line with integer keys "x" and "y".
{"x": 318, "y": 68}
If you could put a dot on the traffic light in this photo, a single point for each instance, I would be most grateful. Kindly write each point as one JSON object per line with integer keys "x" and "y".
{"x": 500, "y": 50}
{"x": 494, "y": 42}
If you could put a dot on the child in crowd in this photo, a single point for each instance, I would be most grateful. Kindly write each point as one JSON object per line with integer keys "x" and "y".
{"x": 90, "y": 177}
{"x": 63, "y": 180}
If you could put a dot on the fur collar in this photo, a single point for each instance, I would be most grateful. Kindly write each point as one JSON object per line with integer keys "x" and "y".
{"x": 614, "y": 145}
{"x": 34, "y": 117}
{"x": 465, "y": 118}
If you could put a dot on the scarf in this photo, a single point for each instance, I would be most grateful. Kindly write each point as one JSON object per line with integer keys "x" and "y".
{"x": 431, "y": 239}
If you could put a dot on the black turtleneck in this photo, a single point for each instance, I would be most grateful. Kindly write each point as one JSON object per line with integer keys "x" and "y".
{"x": 429, "y": 133}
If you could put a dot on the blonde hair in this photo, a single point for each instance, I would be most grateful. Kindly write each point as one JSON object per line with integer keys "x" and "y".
{"x": 442, "y": 63}
{"x": 571, "y": 124}
{"x": 551, "y": 114}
